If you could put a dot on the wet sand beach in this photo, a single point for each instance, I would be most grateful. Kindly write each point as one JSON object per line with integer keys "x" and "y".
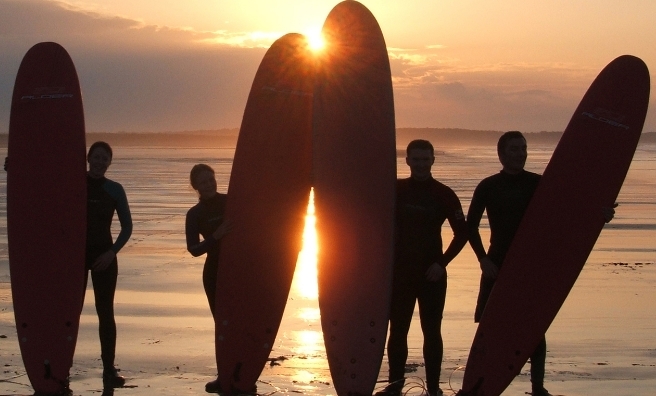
{"x": 603, "y": 341}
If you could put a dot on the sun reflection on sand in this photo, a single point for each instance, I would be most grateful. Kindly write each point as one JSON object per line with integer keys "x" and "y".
{"x": 304, "y": 336}
{"x": 305, "y": 278}
{"x": 310, "y": 342}
{"x": 309, "y": 314}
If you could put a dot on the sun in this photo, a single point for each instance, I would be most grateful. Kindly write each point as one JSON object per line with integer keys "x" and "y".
{"x": 315, "y": 40}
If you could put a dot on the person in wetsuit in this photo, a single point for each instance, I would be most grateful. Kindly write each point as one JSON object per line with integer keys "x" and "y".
{"x": 505, "y": 197}
{"x": 206, "y": 219}
{"x": 422, "y": 206}
{"x": 104, "y": 197}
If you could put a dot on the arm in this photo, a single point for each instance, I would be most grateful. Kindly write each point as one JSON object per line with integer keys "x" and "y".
{"x": 457, "y": 222}
{"x": 124, "y": 217}
{"x": 194, "y": 245}
{"x": 459, "y": 227}
{"x": 474, "y": 216}
{"x": 222, "y": 229}
{"x": 460, "y": 235}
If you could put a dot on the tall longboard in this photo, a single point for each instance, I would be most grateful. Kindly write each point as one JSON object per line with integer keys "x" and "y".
{"x": 354, "y": 177}
{"x": 560, "y": 226}
{"x": 46, "y": 213}
{"x": 267, "y": 201}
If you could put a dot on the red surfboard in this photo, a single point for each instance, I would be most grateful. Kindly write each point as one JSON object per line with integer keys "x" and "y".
{"x": 354, "y": 177}
{"x": 560, "y": 226}
{"x": 46, "y": 213}
{"x": 267, "y": 201}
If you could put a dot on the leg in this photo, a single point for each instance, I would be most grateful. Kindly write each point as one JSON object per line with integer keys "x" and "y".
{"x": 538, "y": 359}
{"x": 210, "y": 271}
{"x": 104, "y": 287}
{"x": 403, "y": 305}
{"x": 483, "y": 294}
{"x": 431, "y": 308}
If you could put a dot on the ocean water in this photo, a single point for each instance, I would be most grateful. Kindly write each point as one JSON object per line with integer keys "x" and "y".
{"x": 160, "y": 282}
{"x": 159, "y": 193}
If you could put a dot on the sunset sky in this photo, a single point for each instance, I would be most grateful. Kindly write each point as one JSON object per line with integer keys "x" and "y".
{"x": 175, "y": 65}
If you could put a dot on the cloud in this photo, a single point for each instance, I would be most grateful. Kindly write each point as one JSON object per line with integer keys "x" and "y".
{"x": 136, "y": 77}
{"x": 436, "y": 89}
{"x": 34, "y": 19}
{"x": 140, "y": 77}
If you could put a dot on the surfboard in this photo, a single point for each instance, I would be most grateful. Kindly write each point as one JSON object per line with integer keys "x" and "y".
{"x": 267, "y": 202}
{"x": 560, "y": 226}
{"x": 354, "y": 178}
{"x": 46, "y": 213}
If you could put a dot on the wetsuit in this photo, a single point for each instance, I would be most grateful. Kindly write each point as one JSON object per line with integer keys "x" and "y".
{"x": 421, "y": 209}
{"x": 203, "y": 219}
{"x": 105, "y": 196}
{"x": 505, "y": 197}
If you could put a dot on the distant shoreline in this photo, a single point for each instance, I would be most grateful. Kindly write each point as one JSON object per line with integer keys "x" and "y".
{"x": 227, "y": 138}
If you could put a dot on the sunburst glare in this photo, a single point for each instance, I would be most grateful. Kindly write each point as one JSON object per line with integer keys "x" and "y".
{"x": 315, "y": 40}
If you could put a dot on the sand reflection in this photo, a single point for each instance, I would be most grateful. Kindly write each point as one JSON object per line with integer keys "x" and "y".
{"x": 309, "y": 342}
{"x": 309, "y": 314}
{"x": 305, "y": 277}
{"x": 308, "y": 367}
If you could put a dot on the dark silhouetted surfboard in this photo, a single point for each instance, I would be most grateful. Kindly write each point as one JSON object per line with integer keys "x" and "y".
{"x": 46, "y": 213}
{"x": 267, "y": 202}
{"x": 560, "y": 226}
{"x": 354, "y": 178}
